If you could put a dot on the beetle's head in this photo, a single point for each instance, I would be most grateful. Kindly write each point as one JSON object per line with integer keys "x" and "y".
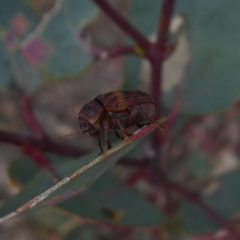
{"x": 85, "y": 126}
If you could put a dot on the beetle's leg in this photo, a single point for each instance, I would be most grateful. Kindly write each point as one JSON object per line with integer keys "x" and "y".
{"x": 106, "y": 127}
{"x": 132, "y": 114}
{"x": 153, "y": 121}
{"x": 99, "y": 142}
{"x": 123, "y": 129}
{"x": 118, "y": 136}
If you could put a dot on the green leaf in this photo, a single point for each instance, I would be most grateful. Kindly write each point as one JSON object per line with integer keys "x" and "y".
{"x": 106, "y": 202}
{"x": 60, "y": 53}
{"x": 224, "y": 201}
{"x": 5, "y": 70}
{"x": 131, "y": 72}
{"x": 17, "y": 19}
{"x": 196, "y": 166}
{"x": 84, "y": 232}
{"x": 25, "y": 77}
{"x": 213, "y": 83}
{"x": 22, "y": 170}
{"x": 17, "y": 16}
{"x": 195, "y": 221}
{"x": 43, "y": 181}
{"x": 101, "y": 202}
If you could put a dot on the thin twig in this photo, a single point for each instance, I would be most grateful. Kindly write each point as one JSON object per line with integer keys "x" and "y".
{"x": 123, "y": 24}
{"x": 43, "y": 144}
{"x": 166, "y": 13}
{"x": 29, "y": 117}
{"x": 111, "y": 52}
{"x": 40, "y": 159}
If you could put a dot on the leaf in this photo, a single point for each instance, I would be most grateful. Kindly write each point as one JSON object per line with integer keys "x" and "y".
{"x": 86, "y": 172}
{"x": 44, "y": 181}
{"x": 224, "y": 200}
{"x": 84, "y": 232}
{"x": 196, "y": 166}
{"x": 122, "y": 206}
{"x": 25, "y": 77}
{"x": 213, "y": 83}
{"x": 22, "y": 170}
{"x": 51, "y": 45}
{"x": 17, "y": 17}
{"x": 74, "y": 179}
{"x": 195, "y": 221}
{"x": 57, "y": 51}
{"x": 5, "y": 72}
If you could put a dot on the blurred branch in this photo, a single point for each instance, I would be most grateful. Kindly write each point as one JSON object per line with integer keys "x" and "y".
{"x": 40, "y": 158}
{"x": 48, "y": 145}
{"x": 43, "y": 144}
{"x": 165, "y": 17}
{"x": 157, "y": 57}
{"x": 105, "y": 53}
{"x": 123, "y": 24}
{"x": 29, "y": 117}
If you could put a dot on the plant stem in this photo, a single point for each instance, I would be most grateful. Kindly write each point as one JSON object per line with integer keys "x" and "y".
{"x": 42, "y": 144}
{"x": 29, "y": 117}
{"x": 166, "y": 13}
{"x": 123, "y": 24}
{"x": 157, "y": 54}
{"x": 194, "y": 198}
{"x": 157, "y": 57}
{"x": 48, "y": 145}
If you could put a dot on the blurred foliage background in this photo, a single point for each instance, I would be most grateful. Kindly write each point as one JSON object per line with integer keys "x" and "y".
{"x": 49, "y": 53}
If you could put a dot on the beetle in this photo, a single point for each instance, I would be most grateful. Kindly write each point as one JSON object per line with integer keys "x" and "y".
{"x": 115, "y": 111}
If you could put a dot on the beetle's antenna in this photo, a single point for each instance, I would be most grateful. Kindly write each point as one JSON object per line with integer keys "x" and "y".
{"x": 67, "y": 135}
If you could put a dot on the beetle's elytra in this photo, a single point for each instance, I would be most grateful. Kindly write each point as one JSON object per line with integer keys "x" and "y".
{"x": 115, "y": 111}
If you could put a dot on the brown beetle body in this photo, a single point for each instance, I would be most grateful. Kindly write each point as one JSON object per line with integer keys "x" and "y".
{"x": 116, "y": 111}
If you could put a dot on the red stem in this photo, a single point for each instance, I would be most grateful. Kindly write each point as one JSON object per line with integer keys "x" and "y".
{"x": 29, "y": 117}
{"x": 48, "y": 145}
{"x": 194, "y": 198}
{"x": 157, "y": 57}
{"x": 166, "y": 13}
{"x": 123, "y": 24}
{"x": 40, "y": 158}
{"x": 42, "y": 144}
{"x": 157, "y": 54}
